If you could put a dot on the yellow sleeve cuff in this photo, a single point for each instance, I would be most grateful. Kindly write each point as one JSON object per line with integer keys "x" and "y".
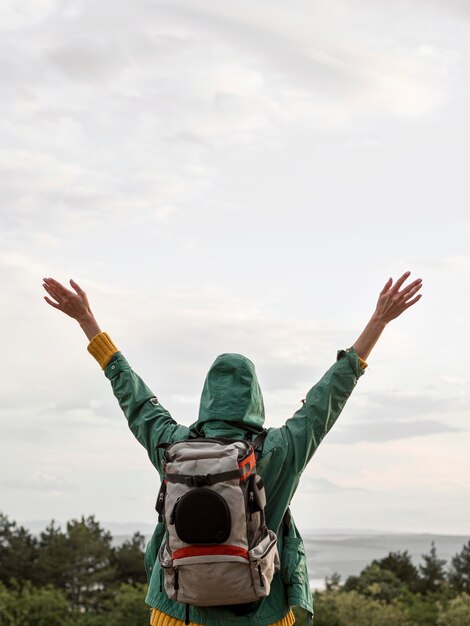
{"x": 102, "y": 348}
{"x": 362, "y": 362}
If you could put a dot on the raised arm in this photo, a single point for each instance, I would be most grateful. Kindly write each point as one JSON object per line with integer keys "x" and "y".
{"x": 323, "y": 404}
{"x": 73, "y": 303}
{"x": 148, "y": 420}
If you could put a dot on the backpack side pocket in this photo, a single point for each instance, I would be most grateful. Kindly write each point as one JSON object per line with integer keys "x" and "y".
{"x": 169, "y": 571}
{"x": 264, "y": 563}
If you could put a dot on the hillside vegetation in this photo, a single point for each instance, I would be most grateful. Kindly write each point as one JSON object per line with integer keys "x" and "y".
{"x": 75, "y": 576}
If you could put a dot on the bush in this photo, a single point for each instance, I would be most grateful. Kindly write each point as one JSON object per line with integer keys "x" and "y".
{"x": 456, "y": 613}
{"x": 45, "y": 606}
{"x": 129, "y": 607}
{"x": 347, "y": 608}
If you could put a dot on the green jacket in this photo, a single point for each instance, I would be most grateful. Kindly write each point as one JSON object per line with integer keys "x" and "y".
{"x": 232, "y": 405}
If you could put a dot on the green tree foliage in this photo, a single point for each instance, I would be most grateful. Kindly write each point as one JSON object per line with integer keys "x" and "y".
{"x": 354, "y": 609}
{"x": 53, "y": 556}
{"x": 377, "y": 583}
{"x": 88, "y": 569}
{"x": 325, "y": 608}
{"x": 421, "y": 609}
{"x": 128, "y": 560}
{"x": 71, "y": 576}
{"x": 400, "y": 564}
{"x": 459, "y": 574}
{"x": 76, "y": 576}
{"x": 125, "y": 608}
{"x": 456, "y": 613}
{"x": 18, "y": 553}
{"x": 43, "y": 606}
{"x": 432, "y": 573}
{"x": 129, "y": 608}
{"x": 333, "y": 582}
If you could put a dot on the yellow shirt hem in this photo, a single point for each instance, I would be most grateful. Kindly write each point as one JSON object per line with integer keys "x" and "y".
{"x": 158, "y": 618}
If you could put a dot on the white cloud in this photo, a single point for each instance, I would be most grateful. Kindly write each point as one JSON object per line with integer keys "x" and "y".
{"x": 389, "y": 430}
{"x": 42, "y": 483}
{"x": 15, "y": 17}
{"x": 313, "y": 484}
{"x": 232, "y": 176}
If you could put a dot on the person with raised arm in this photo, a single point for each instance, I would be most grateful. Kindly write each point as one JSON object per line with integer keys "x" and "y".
{"x": 232, "y": 406}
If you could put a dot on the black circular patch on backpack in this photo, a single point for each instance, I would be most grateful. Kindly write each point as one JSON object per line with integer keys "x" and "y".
{"x": 203, "y": 517}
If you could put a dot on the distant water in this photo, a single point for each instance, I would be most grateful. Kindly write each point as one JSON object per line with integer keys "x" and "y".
{"x": 348, "y": 552}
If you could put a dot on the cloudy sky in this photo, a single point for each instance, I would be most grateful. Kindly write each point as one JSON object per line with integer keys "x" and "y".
{"x": 243, "y": 177}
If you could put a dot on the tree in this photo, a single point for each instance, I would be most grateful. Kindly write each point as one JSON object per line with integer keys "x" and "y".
{"x": 377, "y": 583}
{"x": 88, "y": 572}
{"x": 129, "y": 608}
{"x": 79, "y": 561}
{"x": 53, "y": 556}
{"x": 333, "y": 608}
{"x": 401, "y": 565}
{"x": 324, "y": 605}
{"x": 128, "y": 559}
{"x": 459, "y": 574}
{"x": 333, "y": 582}
{"x": 421, "y": 609}
{"x": 18, "y": 552}
{"x": 355, "y": 609}
{"x": 43, "y": 606}
{"x": 432, "y": 572}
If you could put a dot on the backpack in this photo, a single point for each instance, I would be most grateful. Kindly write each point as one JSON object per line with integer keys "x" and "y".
{"x": 217, "y": 549}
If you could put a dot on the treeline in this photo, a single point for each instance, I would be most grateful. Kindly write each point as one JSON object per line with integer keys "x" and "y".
{"x": 392, "y": 591}
{"x": 71, "y": 576}
{"x": 75, "y": 576}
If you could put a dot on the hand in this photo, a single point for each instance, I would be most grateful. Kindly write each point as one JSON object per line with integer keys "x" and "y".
{"x": 392, "y": 302}
{"x": 75, "y": 305}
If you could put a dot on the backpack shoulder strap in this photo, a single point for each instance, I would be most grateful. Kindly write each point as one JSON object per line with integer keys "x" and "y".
{"x": 286, "y": 522}
{"x": 257, "y": 443}
{"x": 196, "y": 433}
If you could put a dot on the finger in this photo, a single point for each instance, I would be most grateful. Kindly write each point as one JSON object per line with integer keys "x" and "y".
{"x": 58, "y": 286}
{"x": 52, "y": 281}
{"x": 76, "y": 287}
{"x": 52, "y": 292}
{"x": 407, "y": 302}
{"x": 387, "y": 286}
{"x": 411, "y": 288}
{"x": 400, "y": 281}
{"x": 54, "y": 304}
{"x": 414, "y": 301}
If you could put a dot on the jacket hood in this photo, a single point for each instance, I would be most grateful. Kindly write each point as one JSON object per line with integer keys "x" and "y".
{"x": 231, "y": 400}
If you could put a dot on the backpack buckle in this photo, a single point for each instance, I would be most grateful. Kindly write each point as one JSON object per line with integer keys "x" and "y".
{"x": 198, "y": 481}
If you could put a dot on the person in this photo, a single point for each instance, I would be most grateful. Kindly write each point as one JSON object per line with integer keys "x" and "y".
{"x": 232, "y": 406}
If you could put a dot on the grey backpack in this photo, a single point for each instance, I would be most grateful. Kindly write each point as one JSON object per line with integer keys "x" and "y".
{"x": 217, "y": 548}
